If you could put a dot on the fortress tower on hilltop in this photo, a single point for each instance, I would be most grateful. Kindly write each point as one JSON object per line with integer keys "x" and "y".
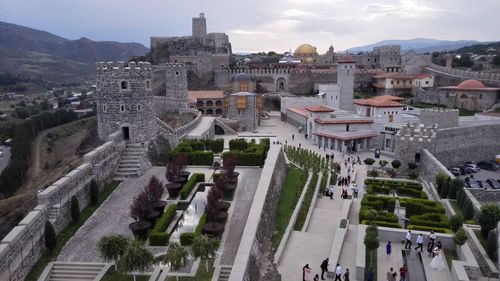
{"x": 125, "y": 101}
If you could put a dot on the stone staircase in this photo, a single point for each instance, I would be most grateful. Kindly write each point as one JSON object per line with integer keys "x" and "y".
{"x": 134, "y": 161}
{"x": 225, "y": 271}
{"x": 74, "y": 271}
{"x": 54, "y": 212}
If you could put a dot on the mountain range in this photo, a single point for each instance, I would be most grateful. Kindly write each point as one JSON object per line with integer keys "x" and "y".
{"x": 42, "y": 55}
{"x": 420, "y": 45}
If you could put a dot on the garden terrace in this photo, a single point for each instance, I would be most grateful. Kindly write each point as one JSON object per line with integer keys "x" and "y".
{"x": 248, "y": 153}
{"x": 199, "y": 152}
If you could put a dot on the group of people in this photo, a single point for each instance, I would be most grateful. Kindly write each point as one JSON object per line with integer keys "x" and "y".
{"x": 306, "y": 272}
{"x": 392, "y": 274}
{"x": 434, "y": 249}
{"x": 344, "y": 181}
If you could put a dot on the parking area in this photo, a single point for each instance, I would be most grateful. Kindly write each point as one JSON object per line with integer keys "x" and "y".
{"x": 482, "y": 176}
{"x": 4, "y": 157}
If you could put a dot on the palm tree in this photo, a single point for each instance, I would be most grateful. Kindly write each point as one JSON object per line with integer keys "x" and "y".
{"x": 205, "y": 247}
{"x": 112, "y": 247}
{"x": 136, "y": 258}
{"x": 176, "y": 257}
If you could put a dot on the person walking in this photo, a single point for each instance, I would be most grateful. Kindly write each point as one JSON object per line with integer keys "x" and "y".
{"x": 316, "y": 277}
{"x": 403, "y": 273}
{"x": 338, "y": 273}
{"x": 391, "y": 275}
{"x": 408, "y": 240}
{"x": 420, "y": 243}
{"x": 346, "y": 275}
{"x": 370, "y": 276}
{"x": 306, "y": 273}
{"x": 324, "y": 268}
{"x": 388, "y": 249}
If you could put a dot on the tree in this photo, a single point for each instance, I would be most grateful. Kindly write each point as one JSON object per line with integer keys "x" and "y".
{"x": 468, "y": 210}
{"x": 492, "y": 245}
{"x": 176, "y": 256}
{"x": 488, "y": 218}
{"x": 456, "y": 222}
{"x": 94, "y": 192}
{"x": 413, "y": 176}
{"x": 445, "y": 188}
{"x": 382, "y": 163}
{"x": 136, "y": 258}
{"x": 112, "y": 248}
{"x": 372, "y": 243}
{"x": 373, "y": 173}
{"x": 50, "y": 237}
{"x": 154, "y": 189}
{"x": 205, "y": 247}
{"x": 455, "y": 185}
{"x": 412, "y": 165}
{"x": 460, "y": 237}
{"x": 440, "y": 180}
{"x": 75, "y": 209}
{"x": 369, "y": 161}
{"x": 396, "y": 164}
{"x": 140, "y": 209}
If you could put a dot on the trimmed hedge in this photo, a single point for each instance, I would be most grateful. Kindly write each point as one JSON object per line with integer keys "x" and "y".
{"x": 431, "y": 220}
{"x": 428, "y": 228}
{"x": 379, "y": 203}
{"x": 238, "y": 144}
{"x": 201, "y": 224}
{"x": 158, "y": 237}
{"x": 383, "y": 223}
{"x": 193, "y": 180}
{"x": 248, "y": 154}
{"x": 204, "y": 158}
{"x": 186, "y": 238}
{"x": 381, "y": 215}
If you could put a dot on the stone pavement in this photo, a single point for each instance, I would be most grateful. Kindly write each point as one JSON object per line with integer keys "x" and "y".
{"x": 242, "y": 201}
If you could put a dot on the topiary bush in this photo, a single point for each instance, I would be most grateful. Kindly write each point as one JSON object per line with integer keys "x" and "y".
{"x": 203, "y": 158}
{"x": 75, "y": 209}
{"x": 369, "y": 161}
{"x": 456, "y": 222}
{"x": 488, "y": 218}
{"x": 396, "y": 164}
{"x": 94, "y": 192}
{"x": 186, "y": 238}
{"x": 492, "y": 245}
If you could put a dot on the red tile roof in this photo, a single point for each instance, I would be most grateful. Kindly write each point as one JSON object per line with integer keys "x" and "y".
{"x": 381, "y": 101}
{"x": 319, "y": 108}
{"x": 343, "y": 121}
{"x": 394, "y": 75}
{"x": 470, "y": 85}
{"x": 299, "y": 110}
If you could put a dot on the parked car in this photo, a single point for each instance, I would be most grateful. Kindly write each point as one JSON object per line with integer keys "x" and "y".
{"x": 487, "y": 165}
{"x": 473, "y": 167}
{"x": 493, "y": 183}
{"x": 456, "y": 171}
{"x": 473, "y": 184}
{"x": 466, "y": 170}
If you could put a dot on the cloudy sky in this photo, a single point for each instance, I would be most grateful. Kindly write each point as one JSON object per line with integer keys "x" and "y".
{"x": 262, "y": 25}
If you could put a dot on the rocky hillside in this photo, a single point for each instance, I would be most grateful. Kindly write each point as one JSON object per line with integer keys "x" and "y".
{"x": 42, "y": 55}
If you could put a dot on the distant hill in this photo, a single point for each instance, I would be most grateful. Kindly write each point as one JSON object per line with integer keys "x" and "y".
{"x": 43, "y": 55}
{"x": 479, "y": 48}
{"x": 420, "y": 45}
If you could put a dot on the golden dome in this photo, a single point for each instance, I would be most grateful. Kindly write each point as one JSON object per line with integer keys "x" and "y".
{"x": 305, "y": 49}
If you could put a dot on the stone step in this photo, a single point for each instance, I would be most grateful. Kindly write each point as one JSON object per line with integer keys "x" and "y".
{"x": 135, "y": 145}
{"x": 130, "y": 161}
{"x": 127, "y": 170}
{"x": 133, "y": 153}
{"x": 77, "y": 265}
{"x": 131, "y": 158}
{"x": 128, "y": 165}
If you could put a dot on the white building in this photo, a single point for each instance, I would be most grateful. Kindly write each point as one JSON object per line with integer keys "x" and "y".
{"x": 395, "y": 83}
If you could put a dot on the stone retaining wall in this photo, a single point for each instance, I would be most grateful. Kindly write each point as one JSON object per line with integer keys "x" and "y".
{"x": 430, "y": 167}
{"x": 23, "y": 245}
{"x": 252, "y": 253}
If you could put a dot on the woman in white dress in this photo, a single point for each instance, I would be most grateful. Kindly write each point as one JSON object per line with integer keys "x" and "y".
{"x": 437, "y": 262}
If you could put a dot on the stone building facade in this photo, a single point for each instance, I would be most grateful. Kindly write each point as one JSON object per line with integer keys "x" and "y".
{"x": 245, "y": 107}
{"x": 125, "y": 101}
{"x": 199, "y": 26}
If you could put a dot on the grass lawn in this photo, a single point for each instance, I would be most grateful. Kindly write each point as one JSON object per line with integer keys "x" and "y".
{"x": 423, "y": 105}
{"x": 68, "y": 232}
{"x": 294, "y": 182}
{"x": 450, "y": 255}
{"x": 373, "y": 265}
{"x": 112, "y": 275}
{"x": 465, "y": 112}
{"x": 480, "y": 237}
{"x": 201, "y": 273}
{"x": 304, "y": 208}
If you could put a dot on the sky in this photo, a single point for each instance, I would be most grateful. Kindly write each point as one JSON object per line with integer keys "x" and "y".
{"x": 263, "y": 25}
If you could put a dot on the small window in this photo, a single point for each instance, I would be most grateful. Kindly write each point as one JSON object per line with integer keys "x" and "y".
{"x": 148, "y": 84}
{"x": 124, "y": 85}
{"x": 122, "y": 108}
{"x": 347, "y": 127}
{"x": 103, "y": 108}
{"x": 426, "y": 82}
{"x": 177, "y": 73}
{"x": 138, "y": 107}
{"x": 480, "y": 96}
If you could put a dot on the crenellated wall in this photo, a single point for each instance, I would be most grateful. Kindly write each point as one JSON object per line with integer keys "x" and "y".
{"x": 23, "y": 245}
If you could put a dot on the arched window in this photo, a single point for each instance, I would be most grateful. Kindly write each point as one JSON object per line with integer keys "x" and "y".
{"x": 148, "y": 84}
{"x": 139, "y": 107}
{"x": 122, "y": 108}
{"x": 103, "y": 108}
{"x": 177, "y": 73}
{"x": 218, "y": 103}
{"x": 218, "y": 111}
{"x": 210, "y": 103}
{"x": 210, "y": 112}
{"x": 199, "y": 103}
{"x": 124, "y": 85}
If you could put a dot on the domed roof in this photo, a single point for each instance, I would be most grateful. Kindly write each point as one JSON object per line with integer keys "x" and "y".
{"x": 242, "y": 77}
{"x": 305, "y": 49}
{"x": 346, "y": 58}
{"x": 471, "y": 84}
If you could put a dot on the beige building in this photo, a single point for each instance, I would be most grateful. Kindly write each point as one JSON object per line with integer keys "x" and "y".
{"x": 469, "y": 95}
{"x": 208, "y": 102}
{"x": 395, "y": 83}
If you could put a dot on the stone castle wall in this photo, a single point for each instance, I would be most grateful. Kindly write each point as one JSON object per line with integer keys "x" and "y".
{"x": 443, "y": 118}
{"x": 430, "y": 167}
{"x": 23, "y": 245}
{"x": 467, "y": 74}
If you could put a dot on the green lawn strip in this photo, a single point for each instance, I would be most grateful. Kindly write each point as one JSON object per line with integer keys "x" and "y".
{"x": 112, "y": 275}
{"x": 323, "y": 184}
{"x": 455, "y": 206}
{"x": 68, "y": 232}
{"x": 450, "y": 255}
{"x": 294, "y": 182}
{"x": 373, "y": 265}
{"x": 201, "y": 273}
{"x": 304, "y": 209}
{"x": 481, "y": 239}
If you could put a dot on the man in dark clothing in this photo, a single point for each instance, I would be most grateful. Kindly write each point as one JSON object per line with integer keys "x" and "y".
{"x": 371, "y": 275}
{"x": 324, "y": 268}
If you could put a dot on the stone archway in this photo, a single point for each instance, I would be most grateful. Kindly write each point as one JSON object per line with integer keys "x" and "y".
{"x": 281, "y": 84}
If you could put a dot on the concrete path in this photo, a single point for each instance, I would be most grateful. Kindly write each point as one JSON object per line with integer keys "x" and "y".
{"x": 203, "y": 127}
{"x": 242, "y": 202}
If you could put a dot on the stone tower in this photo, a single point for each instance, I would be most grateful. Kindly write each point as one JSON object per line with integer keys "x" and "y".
{"x": 176, "y": 84}
{"x": 125, "y": 101}
{"x": 345, "y": 80}
{"x": 200, "y": 26}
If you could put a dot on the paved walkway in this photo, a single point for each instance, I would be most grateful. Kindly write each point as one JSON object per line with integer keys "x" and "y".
{"x": 202, "y": 128}
{"x": 247, "y": 185}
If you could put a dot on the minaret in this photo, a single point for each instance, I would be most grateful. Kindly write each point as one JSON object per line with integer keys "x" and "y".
{"x": 345, "y": 79}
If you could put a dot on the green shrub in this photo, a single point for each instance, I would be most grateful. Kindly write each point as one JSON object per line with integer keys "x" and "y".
{"x": 75, "y": 209}
{"x": 373, "y": 173}
{"x": 395, "y": 164}
{"x": 431, "y": 220}
{"x": 217, "y": 146}
{"x": 366, "y": 213}
{"x": 379, "y": 202}
{"x": 414, "y": 208}
{"x": 158, "y": 237}
{"x": 193, "y": 180}
{"x": 492, "y": 245}
{"x": 205, "y": 158}
{"x": 94, "y": 192}
{"x": 186, "y": 238}
{"x": 456, "y": 222}
{"x": 428, "y": 228}
{"x": 238, "y": 144}
{"x": 372, "y": 229}
{"x": 201, "y": 223}
{"x": 468, "y": 210}
{"x": 384, "y": 224}
{"x": 369, "y": 161}
{"x": 488, "y": 218}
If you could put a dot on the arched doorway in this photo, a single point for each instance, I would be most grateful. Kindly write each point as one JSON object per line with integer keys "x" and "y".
{"x": 281, "y": 85}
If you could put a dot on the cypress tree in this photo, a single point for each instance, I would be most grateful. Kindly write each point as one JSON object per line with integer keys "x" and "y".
{"x": 75, "y": 209}
{"x": 50, "y": 237}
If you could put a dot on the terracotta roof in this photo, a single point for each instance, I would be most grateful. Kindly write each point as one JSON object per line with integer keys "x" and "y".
{"x": 381, "y": 101}
{"x": 319, "y": 108}
{"x": 470, "y": 85}
{"x": 299, "y": 110}
{"x": 399, "y": 75}
{"x": 195, "y": 95}
{"x": 346, "y": 58}
{"x": 343, "y": 121}
{"x": 348, "y": 136}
